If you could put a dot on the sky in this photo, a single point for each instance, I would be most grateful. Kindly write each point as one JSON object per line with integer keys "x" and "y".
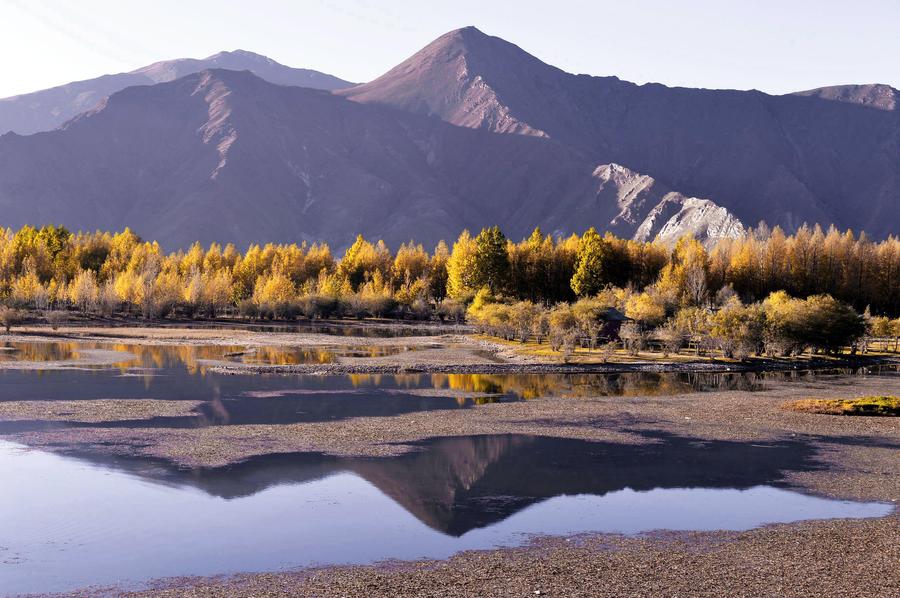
{"x": 774, "y": 46}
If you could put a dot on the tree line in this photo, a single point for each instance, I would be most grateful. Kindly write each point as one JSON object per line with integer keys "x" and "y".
{"x": 53, "y": 268}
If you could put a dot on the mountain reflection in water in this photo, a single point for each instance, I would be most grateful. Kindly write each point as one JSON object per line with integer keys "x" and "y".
{"x": 457, "y": 484}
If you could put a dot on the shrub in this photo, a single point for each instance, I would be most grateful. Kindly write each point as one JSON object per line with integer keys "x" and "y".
{"x": 522, "y": 318}
{"x": 633, "y": 338}
{"x": 452, "y": 310}
{"x": 55, "y": 318}
{"x": 739, "y": 329}
{"x": 540, "y": 326}
{"x": 820, "y": 322}
{"x": 672, "y": 336}
{"x": 647, "y": 309}
{"x": 10, "y": 317}
{"x": 318, "y": 306}
{"x": 588, "y": 314}
{"x": 562, "y": 323}
{"x": 248, "y": 309}
{"x": 380, "y": 306}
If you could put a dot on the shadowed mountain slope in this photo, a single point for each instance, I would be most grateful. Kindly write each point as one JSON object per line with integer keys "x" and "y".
{"x": 47, "y": 109}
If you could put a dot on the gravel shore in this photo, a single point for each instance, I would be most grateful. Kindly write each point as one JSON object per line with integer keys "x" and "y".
{"x": 840, "y": 558}
{"x": 97, "y": 411}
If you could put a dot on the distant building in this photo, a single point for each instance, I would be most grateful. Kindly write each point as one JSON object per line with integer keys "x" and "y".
{"x": 612, "y": 321}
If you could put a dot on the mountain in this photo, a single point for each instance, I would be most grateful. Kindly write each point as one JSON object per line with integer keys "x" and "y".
{"x": 48, "y": 109}
{"x": 225, "y": 156}
{"x": 830, "y": 156}
{"x": 470, "y": 131}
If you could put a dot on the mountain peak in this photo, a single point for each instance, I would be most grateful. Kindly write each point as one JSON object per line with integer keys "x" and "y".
{"x": 464, "y": 77}
{"x": 239, "y": 54}
{"x": 469, "y": 33}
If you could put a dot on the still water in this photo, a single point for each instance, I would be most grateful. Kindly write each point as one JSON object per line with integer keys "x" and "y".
{"x": 80, "y": 518}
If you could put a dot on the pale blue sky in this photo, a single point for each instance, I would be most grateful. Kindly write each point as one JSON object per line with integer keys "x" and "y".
{"x": 775, "y": 46}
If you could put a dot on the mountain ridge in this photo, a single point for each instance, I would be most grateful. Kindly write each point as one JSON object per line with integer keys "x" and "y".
{"x": 47, "y": 109}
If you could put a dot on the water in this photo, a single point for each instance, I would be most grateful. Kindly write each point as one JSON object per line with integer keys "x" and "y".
{"x": 72, "y": 521}
{"x": 193, "y": 357}
{"x": 84, "y": 518}
{"x": 182, "y": 372}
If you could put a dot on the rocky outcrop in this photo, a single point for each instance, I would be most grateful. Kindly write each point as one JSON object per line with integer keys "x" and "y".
{"x": 648, "y": 211}
{"x": 875, "y": 95}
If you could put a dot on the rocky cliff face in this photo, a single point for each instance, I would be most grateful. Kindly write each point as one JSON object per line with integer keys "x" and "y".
{"x": 649, "y": 211}
{"x": 882, "y": 97}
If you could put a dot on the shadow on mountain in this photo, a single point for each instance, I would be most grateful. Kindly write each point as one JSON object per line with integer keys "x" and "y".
{"x": 457, "y": 484}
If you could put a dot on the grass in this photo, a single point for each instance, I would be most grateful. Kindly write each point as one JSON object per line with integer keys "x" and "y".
{"x": 883, "y": 405}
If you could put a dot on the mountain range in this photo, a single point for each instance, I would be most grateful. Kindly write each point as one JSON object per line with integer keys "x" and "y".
{"x": 469, "y": 131}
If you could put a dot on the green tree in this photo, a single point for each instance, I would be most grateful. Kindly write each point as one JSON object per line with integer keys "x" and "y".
{"x": 589, "y": 277}
{"x": 491, "y": 265}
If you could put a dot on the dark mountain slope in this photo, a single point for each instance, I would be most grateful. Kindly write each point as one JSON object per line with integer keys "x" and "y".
{"x": 47, "y": 109}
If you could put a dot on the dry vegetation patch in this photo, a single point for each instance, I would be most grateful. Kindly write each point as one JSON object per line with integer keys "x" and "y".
{"x": 875, "y": 405}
